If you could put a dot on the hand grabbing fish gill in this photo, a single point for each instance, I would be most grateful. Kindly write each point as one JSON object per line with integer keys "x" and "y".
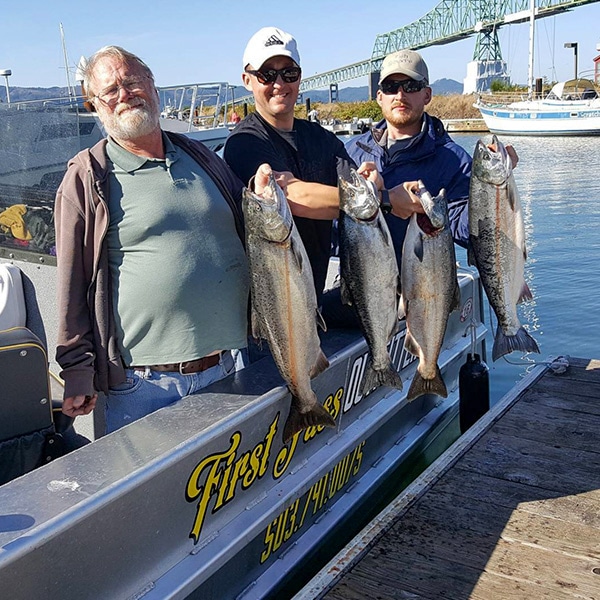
{"x": 283, "y": 302}
{"x": 497, "y": 243}
{"x": 430, "y": 290}
{"x": 369, "y": 278}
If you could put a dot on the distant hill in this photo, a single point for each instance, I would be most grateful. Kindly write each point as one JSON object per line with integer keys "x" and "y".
{"x": 446, "y": 87}
{"x": 347, "y": 94}
{"x": 23, "y": 94}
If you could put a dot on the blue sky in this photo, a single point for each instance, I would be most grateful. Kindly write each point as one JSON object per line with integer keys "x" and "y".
{"x": 187, "y": 42}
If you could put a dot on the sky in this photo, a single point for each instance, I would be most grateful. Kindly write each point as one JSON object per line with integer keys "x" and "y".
{"x": 191, "y": 42}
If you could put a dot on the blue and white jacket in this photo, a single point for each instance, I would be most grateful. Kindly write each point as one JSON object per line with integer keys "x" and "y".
{"x": 434, "y": 158}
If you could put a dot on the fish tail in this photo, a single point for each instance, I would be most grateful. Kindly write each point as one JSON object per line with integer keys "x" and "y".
{"x": 297, "y": 421}
{"x": 505, "y": 344}
{"x": 374, "y": 378}
{"x": 420, "y": 386}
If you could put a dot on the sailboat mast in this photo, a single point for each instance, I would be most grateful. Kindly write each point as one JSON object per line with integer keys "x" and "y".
{"x": 531, "y": 46}
{"x": 66, "y": 58}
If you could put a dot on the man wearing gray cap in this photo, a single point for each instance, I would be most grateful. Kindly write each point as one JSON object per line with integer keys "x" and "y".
{"x": 409, "y": 144}
{"x": 306, "y": 158}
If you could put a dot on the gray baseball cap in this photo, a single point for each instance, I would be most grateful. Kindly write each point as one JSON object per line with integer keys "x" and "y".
{"x": 405, "y": 62}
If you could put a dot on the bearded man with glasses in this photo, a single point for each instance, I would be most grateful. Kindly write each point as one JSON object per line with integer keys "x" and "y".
{"x": 153, "y": 279}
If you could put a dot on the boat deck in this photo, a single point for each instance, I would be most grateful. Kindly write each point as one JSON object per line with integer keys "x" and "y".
{"x": 511, "y": 510}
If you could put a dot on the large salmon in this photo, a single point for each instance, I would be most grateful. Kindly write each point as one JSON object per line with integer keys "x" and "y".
{"x": 369, "y": 276}
{"x": 284, "y": 302}
{"x": 497, "y": 244}
{"x": 430, "y": 290}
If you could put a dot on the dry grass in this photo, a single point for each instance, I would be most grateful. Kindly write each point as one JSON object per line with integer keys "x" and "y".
{"x": 457, "y": 106}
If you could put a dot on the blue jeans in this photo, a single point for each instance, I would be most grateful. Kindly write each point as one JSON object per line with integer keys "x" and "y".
{"x": 145, "y": 391}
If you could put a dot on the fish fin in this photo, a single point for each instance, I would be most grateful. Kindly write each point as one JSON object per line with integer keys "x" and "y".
{"x": 505, "y": 344}
{"x": 255, "y": 325}
{"x": 320, "y": 365}
{"x": 345, "y": 293}
{"x": 395, "y": 329}
{"x": 411, "y": 345}
{"x": 385, "y": 232}
{"x": 320, "y": 320}
{"x": 297, "y": 254}
{"x": 401, "y": 312}
{"x": 455, "y": 303}
{"x": 420, "y": 386}
{"x": 297, "y": 421}
{"x": 512, "y": 191}
{"x": 418, "y": 249}
{"x": 471, "y": 255}
{"x": 525, "y": 294}
{"x": 375, "y": 378}
{"x": 400, "y": 309}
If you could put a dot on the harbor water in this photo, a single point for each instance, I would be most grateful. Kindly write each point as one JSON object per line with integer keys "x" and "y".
{"x": 559, "y": 187}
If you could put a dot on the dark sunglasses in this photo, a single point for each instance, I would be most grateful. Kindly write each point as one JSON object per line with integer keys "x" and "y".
{"x": 289, "y": 75}
{"x": 408, "y": 86}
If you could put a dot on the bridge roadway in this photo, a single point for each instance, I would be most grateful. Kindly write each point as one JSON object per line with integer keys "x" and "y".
{"x": 449, "y": 21}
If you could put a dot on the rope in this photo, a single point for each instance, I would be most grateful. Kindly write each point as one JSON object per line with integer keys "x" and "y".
{"x": 558, "y": 365}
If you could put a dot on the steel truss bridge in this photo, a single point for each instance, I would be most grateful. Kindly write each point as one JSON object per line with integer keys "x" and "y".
{"x": 449, "y": 21}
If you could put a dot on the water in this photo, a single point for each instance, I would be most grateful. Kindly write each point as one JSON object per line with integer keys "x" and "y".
{"x": 559, "y": 184}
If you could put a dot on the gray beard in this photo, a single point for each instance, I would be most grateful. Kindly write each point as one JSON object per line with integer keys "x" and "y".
{"x": 133, "y": 123}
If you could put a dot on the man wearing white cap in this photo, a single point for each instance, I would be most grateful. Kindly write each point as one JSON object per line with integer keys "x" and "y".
{"x": 306, "y": 158}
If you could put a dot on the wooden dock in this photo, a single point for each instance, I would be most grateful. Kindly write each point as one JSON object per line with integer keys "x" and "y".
{"x": 465, "y": 125}
{"x": 511, "y": 511}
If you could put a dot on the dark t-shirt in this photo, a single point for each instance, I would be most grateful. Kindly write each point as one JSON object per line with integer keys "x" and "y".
{"x": 311, "y": 153}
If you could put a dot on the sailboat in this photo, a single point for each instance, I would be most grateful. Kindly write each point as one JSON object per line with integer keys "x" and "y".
{"x": 570, "y": 108}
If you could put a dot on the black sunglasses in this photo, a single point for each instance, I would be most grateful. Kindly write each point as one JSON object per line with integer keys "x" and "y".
{"x": 408, "y": 86}
{"x": 289, "y": 75}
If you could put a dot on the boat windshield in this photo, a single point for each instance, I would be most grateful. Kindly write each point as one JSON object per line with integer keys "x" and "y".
{"x": 37, "y": 139}
{"x": 574, "y": 89}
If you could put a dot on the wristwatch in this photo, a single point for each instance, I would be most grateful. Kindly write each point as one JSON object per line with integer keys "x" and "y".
{"x": 385, "y": 204}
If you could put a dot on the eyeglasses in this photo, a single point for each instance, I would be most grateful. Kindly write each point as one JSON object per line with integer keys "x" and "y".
{"x": 408, "y": 86}
{"x": 289, "y": 75}
{"x": 110, "y": 95}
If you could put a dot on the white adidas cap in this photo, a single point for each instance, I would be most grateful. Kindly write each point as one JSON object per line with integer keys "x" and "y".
{"x": 269, "y": 42}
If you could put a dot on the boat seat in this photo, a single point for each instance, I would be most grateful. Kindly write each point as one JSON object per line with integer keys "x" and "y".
{"x": 33, "y": 430}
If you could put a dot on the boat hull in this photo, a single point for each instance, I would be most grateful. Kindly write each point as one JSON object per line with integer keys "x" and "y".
{"x": 203, "y": 498}
{"x": 554, "y": 120}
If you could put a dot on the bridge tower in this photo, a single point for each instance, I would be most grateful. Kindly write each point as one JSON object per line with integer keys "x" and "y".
{"x": 487, "y": 64}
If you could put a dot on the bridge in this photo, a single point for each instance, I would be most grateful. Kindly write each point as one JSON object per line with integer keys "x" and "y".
{"x": 449, "y": 21}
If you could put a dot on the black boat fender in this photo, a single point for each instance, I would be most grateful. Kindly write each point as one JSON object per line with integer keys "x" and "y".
{"x": 474, "y": 391}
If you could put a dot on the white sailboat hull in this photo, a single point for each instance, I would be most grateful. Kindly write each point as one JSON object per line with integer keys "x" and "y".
{"x": 543, "y": 118}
